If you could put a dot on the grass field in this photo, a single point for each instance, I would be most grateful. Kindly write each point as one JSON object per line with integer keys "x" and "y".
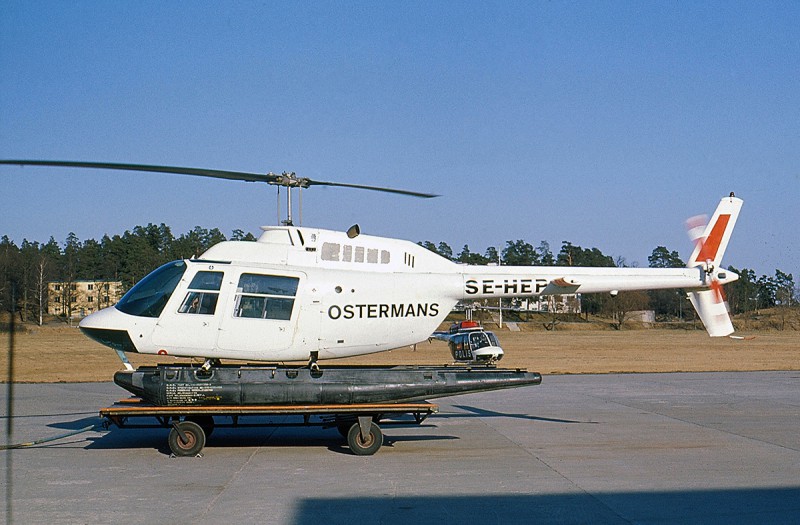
{"x": 57, "y": 353}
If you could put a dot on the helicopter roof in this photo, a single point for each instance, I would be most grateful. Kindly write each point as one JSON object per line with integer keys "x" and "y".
{"x": 329, "y": 249}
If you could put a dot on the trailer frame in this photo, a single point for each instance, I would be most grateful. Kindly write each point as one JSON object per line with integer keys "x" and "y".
{"x": 191, "y": 425}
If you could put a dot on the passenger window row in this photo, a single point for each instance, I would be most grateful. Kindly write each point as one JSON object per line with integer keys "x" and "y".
{"x": 257, "y": 296}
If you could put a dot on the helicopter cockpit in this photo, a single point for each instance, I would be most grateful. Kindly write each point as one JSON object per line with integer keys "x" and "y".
{"x": 178, "y": 310}
{"x": 149, "y": 296}
{"x": 146, "y": 299}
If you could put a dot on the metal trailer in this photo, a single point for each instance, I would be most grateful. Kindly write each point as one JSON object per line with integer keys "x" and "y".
{"x": 191, "y": 425}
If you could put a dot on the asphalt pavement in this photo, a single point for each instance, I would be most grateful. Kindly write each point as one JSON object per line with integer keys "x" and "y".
{"x": 601, "y": 449}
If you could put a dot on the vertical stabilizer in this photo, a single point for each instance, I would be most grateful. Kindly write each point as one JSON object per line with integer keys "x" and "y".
{"x": 711, "y": 244}
{"x": 713, "y": 311}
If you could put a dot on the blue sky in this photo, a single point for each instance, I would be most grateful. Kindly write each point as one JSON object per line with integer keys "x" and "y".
{"x": 606, "y": 124}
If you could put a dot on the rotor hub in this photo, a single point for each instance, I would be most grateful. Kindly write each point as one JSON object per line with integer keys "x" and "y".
{"x": 289, "y": 179}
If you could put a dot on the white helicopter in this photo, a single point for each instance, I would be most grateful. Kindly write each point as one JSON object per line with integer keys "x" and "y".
{"x": 302, "y": 293}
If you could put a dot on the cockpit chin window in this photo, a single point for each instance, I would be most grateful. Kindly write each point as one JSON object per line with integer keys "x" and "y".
{"x": 150, "y": 295}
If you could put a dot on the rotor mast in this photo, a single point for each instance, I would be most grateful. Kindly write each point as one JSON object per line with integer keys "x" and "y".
{"x": 289, "y": 180}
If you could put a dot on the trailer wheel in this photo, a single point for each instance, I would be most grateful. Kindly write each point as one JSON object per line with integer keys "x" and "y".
{"x": 361, "y": 447}
{"x": 195, "y": 438}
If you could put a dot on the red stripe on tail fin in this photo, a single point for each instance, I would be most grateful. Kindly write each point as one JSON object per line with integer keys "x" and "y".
{"x": 711, "y": 245}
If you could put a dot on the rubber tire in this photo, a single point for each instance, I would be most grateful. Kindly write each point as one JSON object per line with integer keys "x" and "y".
{"x": 196, "y": 439}
{"x": 361, "y": 448}
{"x": 205, "y": 422}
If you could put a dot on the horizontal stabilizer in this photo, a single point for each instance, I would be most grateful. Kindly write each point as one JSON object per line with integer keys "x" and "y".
{"x": 561, "y": 286}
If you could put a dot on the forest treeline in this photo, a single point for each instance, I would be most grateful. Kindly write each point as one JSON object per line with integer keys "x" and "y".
{"x": 25, "y": 269}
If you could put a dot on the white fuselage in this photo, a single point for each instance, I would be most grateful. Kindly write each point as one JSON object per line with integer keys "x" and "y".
{"x": 301, "y": 291}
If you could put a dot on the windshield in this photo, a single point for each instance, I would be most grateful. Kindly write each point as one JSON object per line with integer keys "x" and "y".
{"x": 150, "y": 295}
{"x": 478, "y": 340}
{"x": 481, "y": 339}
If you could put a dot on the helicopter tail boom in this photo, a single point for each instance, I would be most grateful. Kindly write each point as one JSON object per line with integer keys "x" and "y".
{"x": 703, "y": 276}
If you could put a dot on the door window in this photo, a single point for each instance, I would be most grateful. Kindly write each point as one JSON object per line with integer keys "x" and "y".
{"x": 203, "y": 294}
{"x": 265, "y": 296}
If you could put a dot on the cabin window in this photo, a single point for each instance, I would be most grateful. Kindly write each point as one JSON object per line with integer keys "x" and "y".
{"x": 199, "y": 303}
{"x": 206, "y": 281}
{"x": 265, "y": 296}
{"x": 203, "y": 294}
{"x": 372, "y": 255}
{"x": 330, "y": 251}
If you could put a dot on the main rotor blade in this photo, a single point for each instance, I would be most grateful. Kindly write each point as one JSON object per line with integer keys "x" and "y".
{"x": 220, "y": 174}
{"x": 373, "y": 188}
{"x": 285, "y": 179}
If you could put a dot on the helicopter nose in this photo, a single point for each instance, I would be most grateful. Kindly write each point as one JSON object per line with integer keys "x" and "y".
{"x": 107, "y": 327}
